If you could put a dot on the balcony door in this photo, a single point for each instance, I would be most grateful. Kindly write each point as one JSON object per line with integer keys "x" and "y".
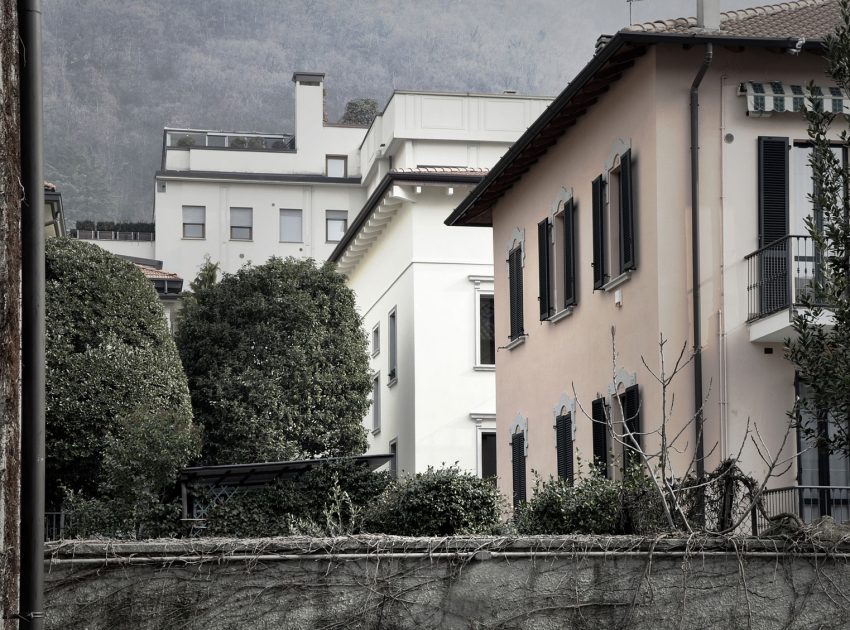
{"x": 824, "y": 478}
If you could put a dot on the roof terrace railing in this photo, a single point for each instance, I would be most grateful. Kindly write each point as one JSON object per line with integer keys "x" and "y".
{"x": 110, "y": 235}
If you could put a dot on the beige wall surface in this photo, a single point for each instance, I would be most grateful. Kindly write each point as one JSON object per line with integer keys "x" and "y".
{"x": 648, "y": 110}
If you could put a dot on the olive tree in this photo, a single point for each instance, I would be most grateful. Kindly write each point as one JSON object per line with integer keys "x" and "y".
{"x": 277, "y": 365}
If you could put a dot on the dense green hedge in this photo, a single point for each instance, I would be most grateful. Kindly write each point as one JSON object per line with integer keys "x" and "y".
{"x": 438, "y": 502}
{"x": 110, "y": 358}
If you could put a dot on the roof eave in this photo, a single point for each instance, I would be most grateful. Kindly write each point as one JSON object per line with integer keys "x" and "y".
{"x": 466, "y": 214}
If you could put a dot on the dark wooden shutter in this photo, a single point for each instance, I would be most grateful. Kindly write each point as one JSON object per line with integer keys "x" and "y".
{"x": 773, "y": 223}
{"x": 518, "y": 463}
{"x": 564, "y": 446}
{"x": 598, "y": 235}
{"x": 515, "y": 279}
{"x": 628, "y": 249}
{"x": 772, "y": 189}
{"x": 600, "y": 435}
{"x": 543, "y": 233}
{"x": 570, "y": 295}
{"x": 631, "y": 418}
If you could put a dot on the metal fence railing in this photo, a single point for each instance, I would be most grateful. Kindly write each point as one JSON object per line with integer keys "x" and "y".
{"x": 109, "y": 235}
{"x": 780, "y": 274}
{"x": 807, "y": 502}
{"x": 56, "y": 524}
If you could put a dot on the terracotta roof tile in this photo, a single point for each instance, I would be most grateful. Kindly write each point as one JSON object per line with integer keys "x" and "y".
{"x": 810, "y": 19}
{"x": 152, "y": 273}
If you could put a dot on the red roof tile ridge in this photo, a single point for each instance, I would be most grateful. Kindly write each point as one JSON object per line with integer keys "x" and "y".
{"x": 660, "y": 26}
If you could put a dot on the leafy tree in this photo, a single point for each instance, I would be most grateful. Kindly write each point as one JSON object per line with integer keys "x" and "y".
{"x": 360, "y": 111}
{"x": 277, "y": 365}
{"x": 109, "y": 358}
{"x": 821, "y": 353}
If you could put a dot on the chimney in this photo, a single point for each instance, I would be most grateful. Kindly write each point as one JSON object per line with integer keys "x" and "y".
{"x": 708, "y": 15}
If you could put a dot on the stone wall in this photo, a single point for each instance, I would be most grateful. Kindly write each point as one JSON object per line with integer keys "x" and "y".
{"x": 464, "y": 583}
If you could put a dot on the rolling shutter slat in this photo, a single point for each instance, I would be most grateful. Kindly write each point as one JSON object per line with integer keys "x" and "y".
{"x": 543, "y": 232}
{"x": 564, "y": 446}
{"x": 631, "y": 417}
{"x": 515, "y": 280}
{"x": 518, "y": 465}
{"x": 773, "y": 189}
{"x": 600, "y": 435}
{"x": 628, "y": 248}
{"x": 570, "y": 295}
{"x": 598, "y": 235}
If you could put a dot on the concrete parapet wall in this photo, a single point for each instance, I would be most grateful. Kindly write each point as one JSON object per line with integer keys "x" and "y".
{"x": 465, "y": 583}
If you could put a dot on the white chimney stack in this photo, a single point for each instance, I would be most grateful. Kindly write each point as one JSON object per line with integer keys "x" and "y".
{"x": 708, "y": 15}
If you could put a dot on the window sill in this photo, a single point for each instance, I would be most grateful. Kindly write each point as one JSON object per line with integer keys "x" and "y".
{"x": 392, "y": 381}
{"x": 376, "y": 431}
{"x": 562, "y": 314}
{"x": 484, "y": 368}
{"x": 516, "y": 342}
{"x": 374, "y": 354}
{"x": 242, "y": 240}
{"x": 291, "y": 242}
{"x": 193, "y": 238}
{"x": 614, "y": 283}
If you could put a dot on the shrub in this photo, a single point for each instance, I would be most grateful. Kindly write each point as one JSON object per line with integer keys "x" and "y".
{"x": 110, "y": 359}
{"x": 595, "y": 505}
{"x": 327, "y": 500}
{"x": 256, "y": 143}
{"x": 186, "y": 141}
{"x": 237, "y": 142}
{"x": 438, "y": 502}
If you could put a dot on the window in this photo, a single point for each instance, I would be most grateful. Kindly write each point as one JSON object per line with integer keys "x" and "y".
{"x": 392, "y": 368}
{"x": 515, "y": 282}
{"x": 291, "y": 226}
{"x": 336, "y": 223}
{"x": 488, "y": 455}
{"x": 518, "y": 465}
{"x": 486, "y": 337}
{"x": 614, "y": 244}
{"x": 564, "y": 445}
{"x": 599, "y": 414}
{"x": 376, "y": 340}
{"x": 630, "y": 401}
{"x": 241, "y": 224}
{"x": 556, "y": 260}
{"x": 394, "y": 460}
{"x": 194, "y": 221}
{"x": 376, "y": 403}
{"x": 336, "y": 165}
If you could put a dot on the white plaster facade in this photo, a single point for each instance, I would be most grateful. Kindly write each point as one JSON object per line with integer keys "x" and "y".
{"x": 420, "y": 156}
{"x": 272, "y": 179}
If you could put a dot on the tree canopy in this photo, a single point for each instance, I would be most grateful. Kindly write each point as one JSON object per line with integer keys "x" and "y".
{"x": 821, "y": 352}
{"x": 360, "y": 111}
{"x": 277, "y": 365}
{"x": 109, "y": 357}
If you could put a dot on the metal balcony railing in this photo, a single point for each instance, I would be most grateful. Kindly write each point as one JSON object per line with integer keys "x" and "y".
{"x": 780, "y": 274}
{"x": 56, "y": 524}
{"x": 108, "y": 235}
{"x": 807, "y": 502}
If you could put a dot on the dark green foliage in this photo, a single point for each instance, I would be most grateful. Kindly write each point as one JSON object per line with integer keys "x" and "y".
{"x": 109, "y": 357}
{"x": 821, "y": 355}
{"x": 328, "y": 497}
{"x": 186, "y": 141}
{"x": 438, "y": 502}
{"x": 256, "y": 143}
{"x": 277, "y": 365}
{"x": 238, "y": 142}
{"x": 595, "y": 505}
{"x": 360, "y": 111}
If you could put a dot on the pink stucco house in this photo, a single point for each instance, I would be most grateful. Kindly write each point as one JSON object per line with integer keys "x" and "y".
{"x": 662, "y": 192}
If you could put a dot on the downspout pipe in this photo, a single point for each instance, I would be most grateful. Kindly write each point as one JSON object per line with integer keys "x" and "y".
{"x": 31, "y": 604}
{"x": 695, "y": 266}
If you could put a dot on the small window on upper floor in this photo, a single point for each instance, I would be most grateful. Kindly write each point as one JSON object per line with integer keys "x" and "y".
{"x": 291, "y": 226}
{"x": 336, "y": 223}
{"x": 241, "y": 224}
{"x": 486, "y": 335}
{"x": 376, "y": 403}
{"x": 336, "y": 166}
{"x": 376, "y": 340}
{"x": 194, "y": 221}
{"x": 614, "y": 244}
{"x": 557, "y": 255}
{"x": 392, "y": 367}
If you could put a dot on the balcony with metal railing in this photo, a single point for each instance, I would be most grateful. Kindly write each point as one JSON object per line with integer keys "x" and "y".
{"x": 809, "y": 503}
{"x": 779, "y": 276}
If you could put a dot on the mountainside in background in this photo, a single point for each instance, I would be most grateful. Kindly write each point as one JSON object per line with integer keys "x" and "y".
{"x": 118, "y": 71}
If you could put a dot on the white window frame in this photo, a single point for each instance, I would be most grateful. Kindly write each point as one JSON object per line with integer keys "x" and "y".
{"x": 286, "y": 212}
{"x": 484, "y": 423}
{"x": 376, "y": 404}
{"x": 392, "y": 347}
{"x": 479, "y": 292}
{"x": 250, "y": 227}
{"x": 335, "y": 219}
{"x": 203, "y": 224}
{"x": 336, "y": 159}
{"x": 376, "y": 339}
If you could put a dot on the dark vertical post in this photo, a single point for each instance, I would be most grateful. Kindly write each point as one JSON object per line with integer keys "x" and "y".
{"x": 32, "y": 303}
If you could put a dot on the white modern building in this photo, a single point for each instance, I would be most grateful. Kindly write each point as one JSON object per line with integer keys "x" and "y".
{"x": 425, "y": 291}
{"x": 239, "y": 197}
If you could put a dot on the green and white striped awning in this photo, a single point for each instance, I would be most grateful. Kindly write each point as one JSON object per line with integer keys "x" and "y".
{"x": 765, "y": 98}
